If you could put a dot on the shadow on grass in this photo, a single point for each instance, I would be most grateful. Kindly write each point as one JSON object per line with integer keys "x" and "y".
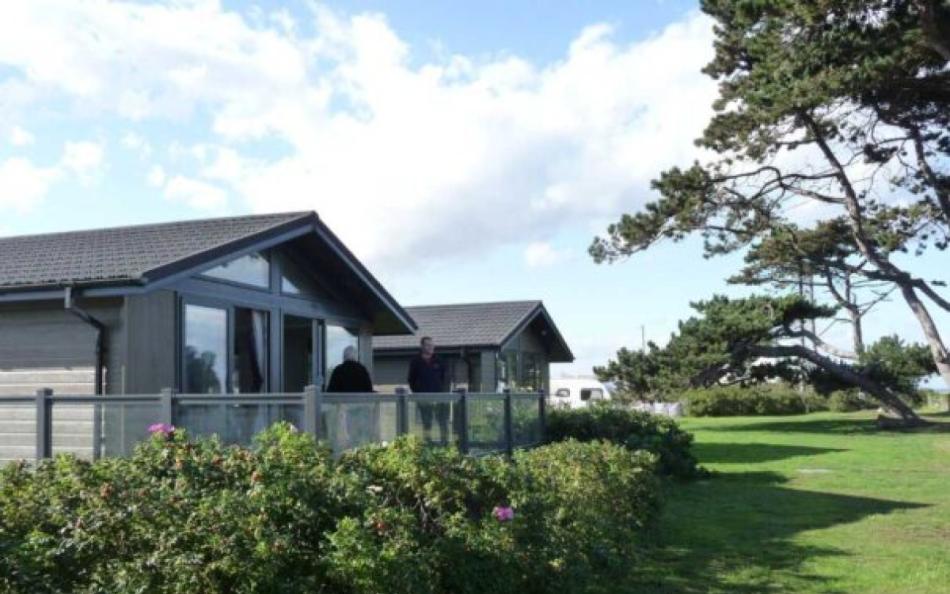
{"x": 734, "y": 534}
{"x": 839, "y": 425}
{"x": 751, "y": 453}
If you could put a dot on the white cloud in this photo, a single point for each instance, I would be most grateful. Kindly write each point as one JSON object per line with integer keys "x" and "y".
{"x": 396, "y": 156}
{"x": 23, "y": 185}
{"x": 84, "y": 159}
{"x": 21, "y": 137}
{"x": 138, "y": 144}
{"x": 195, "y": 194}
{"x": 156, "y": 176}
{"x": 540, "y": 254}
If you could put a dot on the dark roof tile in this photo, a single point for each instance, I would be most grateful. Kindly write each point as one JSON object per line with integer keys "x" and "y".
{"x": 122, "y": 253}
{"x": 472, "y": 324}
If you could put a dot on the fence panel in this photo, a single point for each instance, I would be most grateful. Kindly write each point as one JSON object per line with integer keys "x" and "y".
{"x": 526, "y": 420}
{"x": 235, "y": 419}
{"x": 96, "y": 426}
{"x": 434, "y": 418}
{"x": 17, "y": 428}
{"x": 352, "y": 420}
{"x": 486, "y": 423}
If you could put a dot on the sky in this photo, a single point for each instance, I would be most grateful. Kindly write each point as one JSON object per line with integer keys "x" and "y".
{"x": 465, "y": 151}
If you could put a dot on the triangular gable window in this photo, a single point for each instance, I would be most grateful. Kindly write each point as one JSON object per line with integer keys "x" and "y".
{"x": 297, "y": 281}
{"x": 252, "y": 269}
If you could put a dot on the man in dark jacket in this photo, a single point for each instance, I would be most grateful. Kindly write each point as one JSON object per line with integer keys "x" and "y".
{"x": 426, "y": 376}
{"x": 350, "y": 375}
{"x": 356, "y": 425}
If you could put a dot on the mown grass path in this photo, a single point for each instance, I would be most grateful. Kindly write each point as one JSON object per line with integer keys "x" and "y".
{"x": 814, "y": 503}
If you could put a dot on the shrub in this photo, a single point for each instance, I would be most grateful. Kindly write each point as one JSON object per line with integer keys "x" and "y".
{"x": 725, "y": 401}
{"x": 848, "y": 401}
{"x": 586, "y": 508}
{"x": 634, "y": 430}
{"x": 425, "y": 522}
{"x": 175, "y": 517}
{"x": 183, "y": 517}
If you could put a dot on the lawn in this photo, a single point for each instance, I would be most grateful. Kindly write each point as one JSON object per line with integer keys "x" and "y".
{"x": 813, "y": 503}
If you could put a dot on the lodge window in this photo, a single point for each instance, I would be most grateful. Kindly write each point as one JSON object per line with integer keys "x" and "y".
{"x": 250, "y": 351}
{"x": 338, "y": 339}
{"x": 252, "y": 269}
{"x": 205, "y": 356}
{"x": 296, "y": 281}
{"x": 225, "y": 349}
{"x": 300, "y": 337}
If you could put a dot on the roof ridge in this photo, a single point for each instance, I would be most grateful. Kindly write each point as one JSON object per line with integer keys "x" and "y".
{"x": 290, "y": 214}
{"x": 471, "y": 303}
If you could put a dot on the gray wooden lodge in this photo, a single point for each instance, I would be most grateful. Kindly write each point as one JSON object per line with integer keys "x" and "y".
{"x": 487, "y": 347}
{"x": 248, "y": 304}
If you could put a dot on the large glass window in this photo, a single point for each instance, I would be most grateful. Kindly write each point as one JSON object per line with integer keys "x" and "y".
{"x": 298, "y": 352}
{"x": 252, "y": 269}
{"x": 250, "y": 351}
{"x": 206, "y": 347}
{"x": 296, "y": 280}
{"x": 338, "y": 339}
{"x": 530, "y": 372}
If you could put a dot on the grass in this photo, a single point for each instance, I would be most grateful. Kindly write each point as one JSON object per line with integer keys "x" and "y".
{"x": 813, "y": 503}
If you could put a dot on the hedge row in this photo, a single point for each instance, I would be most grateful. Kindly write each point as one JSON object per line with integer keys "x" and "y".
{"x": 284, "y": 516}
{"x": 724, "y": 401}
{"x": 631, "y": 429}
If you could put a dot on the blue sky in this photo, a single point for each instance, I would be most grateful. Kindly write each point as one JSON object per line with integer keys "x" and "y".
{"x": 466, "y": 151}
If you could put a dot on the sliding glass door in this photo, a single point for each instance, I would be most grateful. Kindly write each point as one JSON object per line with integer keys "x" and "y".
{"x": 205, "y": 349}
{"x": 251, "y": 341}
{"x": 225, "y": 349}
{"x": 300, "y": 350}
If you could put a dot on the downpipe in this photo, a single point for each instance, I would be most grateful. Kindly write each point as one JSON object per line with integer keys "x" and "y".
{"x": 99, "y": 327}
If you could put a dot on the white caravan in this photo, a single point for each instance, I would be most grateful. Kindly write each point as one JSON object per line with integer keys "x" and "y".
{"x": 576, "y": 392}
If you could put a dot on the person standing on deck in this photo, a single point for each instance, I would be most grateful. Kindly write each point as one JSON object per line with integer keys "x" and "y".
{"x": 427, "y": 376}
{"x": 351, "y": 376}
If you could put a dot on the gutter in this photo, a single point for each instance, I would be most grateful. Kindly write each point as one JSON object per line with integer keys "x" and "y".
{"x": 100, "y": 329}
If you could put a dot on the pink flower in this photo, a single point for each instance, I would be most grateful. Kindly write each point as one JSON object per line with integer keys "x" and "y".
{"x": 161, "y": 429}
{"x": 504, "y": 513}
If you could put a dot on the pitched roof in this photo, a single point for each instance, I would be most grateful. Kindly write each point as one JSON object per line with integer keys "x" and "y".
{"x": 121, "y": 254}
{"x": 126, "y": 259}
{"x": 473, "y": 325}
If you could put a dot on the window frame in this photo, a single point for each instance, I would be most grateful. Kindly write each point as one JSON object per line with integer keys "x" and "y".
{"x": 228, "y": 307}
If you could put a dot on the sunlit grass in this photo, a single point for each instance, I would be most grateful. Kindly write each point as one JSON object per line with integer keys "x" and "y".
{"x": 814, "y": 503}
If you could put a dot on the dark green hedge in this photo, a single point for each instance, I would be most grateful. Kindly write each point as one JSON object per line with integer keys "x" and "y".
{"x": 632, "y": 429}
{"x": 726, "y": 401}
{"x": 284, "y": 516}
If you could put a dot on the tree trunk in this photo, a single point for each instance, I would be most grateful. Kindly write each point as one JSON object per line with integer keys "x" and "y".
{"x": 937, "y": 348}
{"x": 899, "y": 277}
{"x": 857, "y": 332}
{"x": 844, "y": 373}
{"x": 930, "y": 24}
{"x": 854, "y": 312}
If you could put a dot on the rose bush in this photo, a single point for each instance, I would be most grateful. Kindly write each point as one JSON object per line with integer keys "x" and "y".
{"x": 284, "y": 515}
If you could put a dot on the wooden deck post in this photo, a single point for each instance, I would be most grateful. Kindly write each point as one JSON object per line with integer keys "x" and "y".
{"x": 509, "y": 427}
{"x": 463, "y": 420}
{"x": 542, "y": 414}
{"x": 44, "y": 424}
{"x": 166, "y": 406}
{"x": 312, "y": 409}
{"x": 402, "y": 412}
